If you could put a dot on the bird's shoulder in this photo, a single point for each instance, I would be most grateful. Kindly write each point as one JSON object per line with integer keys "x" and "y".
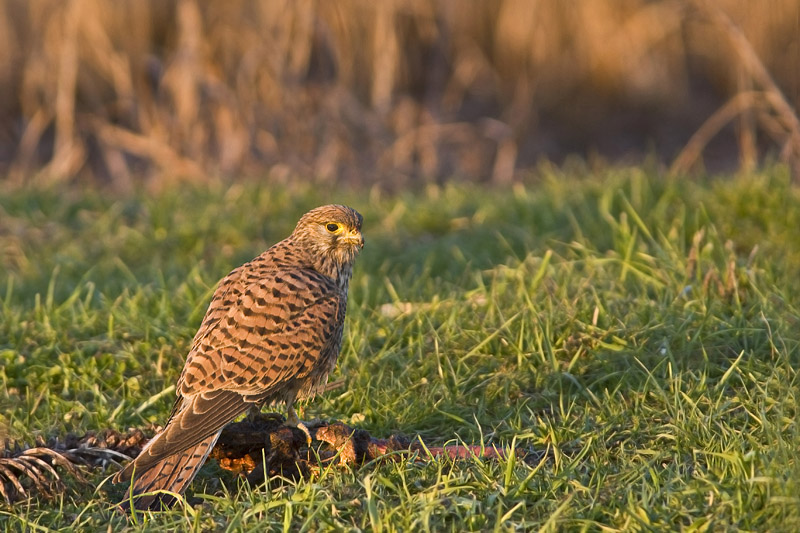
{"x": 265, "y": 286}
{"x": 282, "y": 270}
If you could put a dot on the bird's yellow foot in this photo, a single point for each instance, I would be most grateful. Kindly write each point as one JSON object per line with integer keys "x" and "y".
{"x": 293, "y": 420}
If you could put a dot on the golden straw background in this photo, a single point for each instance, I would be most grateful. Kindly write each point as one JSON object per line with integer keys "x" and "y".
{"x": 122, "y": 91}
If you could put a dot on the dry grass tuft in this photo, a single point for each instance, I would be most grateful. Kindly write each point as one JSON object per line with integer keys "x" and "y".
{"x": 345, "y": 91}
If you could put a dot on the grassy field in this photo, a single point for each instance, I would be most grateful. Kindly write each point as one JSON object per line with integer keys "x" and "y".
{"x": 644, "y": 333}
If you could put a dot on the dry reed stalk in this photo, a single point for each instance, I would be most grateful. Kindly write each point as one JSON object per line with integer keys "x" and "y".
{"x": 68, "y": 152}
{"x": 755, "y": 67}
{"x": 746, "y": 130}
{"x": 738, "y": 104}
{"x": 743, "y": 102}
{"x": 147, "y": 147}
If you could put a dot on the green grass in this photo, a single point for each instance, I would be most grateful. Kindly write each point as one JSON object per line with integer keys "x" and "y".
{"x": 645, "y": 332}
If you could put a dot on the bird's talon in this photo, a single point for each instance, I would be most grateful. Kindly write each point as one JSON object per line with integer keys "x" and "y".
{"x": 302, "y": 427}
{"x": 293, "y": 420}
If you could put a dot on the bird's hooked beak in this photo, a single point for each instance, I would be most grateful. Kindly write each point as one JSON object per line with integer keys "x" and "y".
{"x": 353, "y": 238}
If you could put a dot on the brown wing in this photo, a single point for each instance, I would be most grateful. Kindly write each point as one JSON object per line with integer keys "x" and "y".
{"x": 226, "y": 295}
{"x": 277, "y": 329}
{"x": 254, "y": 350}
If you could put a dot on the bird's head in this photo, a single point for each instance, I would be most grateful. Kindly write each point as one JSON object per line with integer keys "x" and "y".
{"x": 332, "y": 234}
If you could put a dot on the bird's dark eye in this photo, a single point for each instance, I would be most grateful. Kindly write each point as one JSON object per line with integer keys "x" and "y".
{"x": 333, "y": 227}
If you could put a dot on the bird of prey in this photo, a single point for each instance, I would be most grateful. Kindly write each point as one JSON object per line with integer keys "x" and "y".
{"x": 272, "y": 333}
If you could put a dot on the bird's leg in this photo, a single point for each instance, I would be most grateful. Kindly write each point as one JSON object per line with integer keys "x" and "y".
{"x": 252, "y": 413}
{"x": 293, "y": 420}
{"x": 255, "y": 416}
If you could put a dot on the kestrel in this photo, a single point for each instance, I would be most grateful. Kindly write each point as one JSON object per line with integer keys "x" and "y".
{"x": 272, "y": 333}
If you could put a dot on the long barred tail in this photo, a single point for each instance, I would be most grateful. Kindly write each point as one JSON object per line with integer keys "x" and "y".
{"x": 173, "y": 474}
